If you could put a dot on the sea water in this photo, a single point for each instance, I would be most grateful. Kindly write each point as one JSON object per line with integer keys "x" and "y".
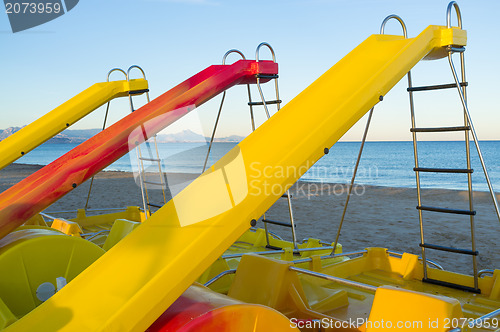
{"x": 382, "y": 163}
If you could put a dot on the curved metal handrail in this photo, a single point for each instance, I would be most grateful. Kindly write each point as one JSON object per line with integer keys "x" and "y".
{"x": 89, "y": 210}
{"x": 91, "y": 236}
{"x": 232, "y": 51}
{"x": 448, "y": 14}
{"x": 135, "y": 67}
{"x": 103, "y": 127}
{"x": 220, "y": 275}
{"x": 433, "y": 263}
{"x": 485, "y": 271}
{"x": 116, "y": 69}
{"x": 352, "y": 253}
{"x": 396, "y": 17}
{"x": 341, "y": 281}
{"x": 276, "y": 235}
{"x": 144, "y": 191}
{"x": 270, "y": 49}
{"x": 485, "y": 318}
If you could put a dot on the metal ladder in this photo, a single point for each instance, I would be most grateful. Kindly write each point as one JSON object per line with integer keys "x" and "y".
{"x": 265, "y": 103}
{"x": 148, "y": 159}
{"x": 468, "y": 129}
{"x": 251, "y": 104}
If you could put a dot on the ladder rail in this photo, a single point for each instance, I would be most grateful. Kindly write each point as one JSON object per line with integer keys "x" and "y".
{"x": 251, "y": 104}
{"x": 417, "y": 174}
{"x": 162, "y": 179}
{"x": 142, "y": 171}
{"x": 414, "y": 139}
{"x": 140, "y": 159}
{"x": 463, "y": 89}
{"x": 252, "y": 117}
{"x": 277, "y": 102}
{"x": 257, "y": 51}
{"x": 103, "y": 127}
{"x": 142, "y": 185}
{"x": 252, "y": 122}
{"x": 474, "y": 137}
{"x": 157, "y": 160}
{"x": 461, "y": 86}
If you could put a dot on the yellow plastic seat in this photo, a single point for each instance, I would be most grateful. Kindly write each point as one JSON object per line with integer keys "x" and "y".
{"x": 269, "y": 282}
{"x": 395, "y": 309}
{"x": 120, "y": 229}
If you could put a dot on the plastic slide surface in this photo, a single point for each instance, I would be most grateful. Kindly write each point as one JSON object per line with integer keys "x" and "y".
{"x": 137, "y": 280}
{"x": 42, "y": 188}
{"x": 52, "y": 123}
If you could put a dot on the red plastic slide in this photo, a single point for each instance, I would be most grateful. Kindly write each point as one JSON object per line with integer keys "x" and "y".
{"x": 38, "y": 191}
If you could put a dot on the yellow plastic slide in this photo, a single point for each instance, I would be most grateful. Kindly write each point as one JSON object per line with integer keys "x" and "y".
{"x": 133, "y": 283}
{"x": 52, "y": 123}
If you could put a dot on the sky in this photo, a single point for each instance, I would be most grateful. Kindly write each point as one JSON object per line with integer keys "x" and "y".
{"x": 174, "y": 39}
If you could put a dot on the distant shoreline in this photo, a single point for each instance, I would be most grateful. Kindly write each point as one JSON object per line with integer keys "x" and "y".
{"x": 31, "y": 168}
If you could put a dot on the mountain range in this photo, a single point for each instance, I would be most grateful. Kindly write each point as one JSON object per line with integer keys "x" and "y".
{"x": 77, "y": 136}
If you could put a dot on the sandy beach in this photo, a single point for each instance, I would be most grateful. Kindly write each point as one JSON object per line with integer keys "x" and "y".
{"x": 376, "y": 216}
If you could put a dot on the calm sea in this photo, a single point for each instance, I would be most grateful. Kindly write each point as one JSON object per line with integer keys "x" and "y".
{"x": 382, "y": 164}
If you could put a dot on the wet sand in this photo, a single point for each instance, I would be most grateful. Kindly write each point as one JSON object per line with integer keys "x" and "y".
{"x": 376, "y": 216}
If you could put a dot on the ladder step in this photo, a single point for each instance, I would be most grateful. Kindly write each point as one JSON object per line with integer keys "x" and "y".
{"x": 439, "y": 129}
{"x": 259, "y": 103}
{"x": 155, "y": 183}
{"x": 273, "y": 247}
{"x": 138, "y": 92}
{"x": 455, "y": 49}
{"x": 155, "y": 205}
{"x": 443, "y": 170}
{"x": 449, "y": 249}
{"x": 445, "y": 210}
{"x": 452, "y": 285}
{"x": 266, "y": 76}
{"x": 436, "y": 87}
{"x": 149, "y": 159}
{"x": 279, "y": 223}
